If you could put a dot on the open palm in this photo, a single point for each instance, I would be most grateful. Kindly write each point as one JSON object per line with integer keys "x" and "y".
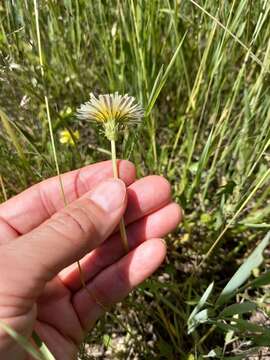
{"x": 60, "y": 309}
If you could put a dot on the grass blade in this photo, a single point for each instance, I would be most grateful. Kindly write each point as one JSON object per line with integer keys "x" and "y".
{"x": 161, "y": 79}
{"x": 244, "y": 272}
{"x": 25, "y": 344}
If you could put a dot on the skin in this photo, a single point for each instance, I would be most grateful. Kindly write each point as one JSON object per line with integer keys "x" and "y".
{"x": 41, "y": 240}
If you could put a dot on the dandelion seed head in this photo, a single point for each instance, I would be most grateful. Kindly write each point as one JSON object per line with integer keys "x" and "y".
{"x": 111, "y": 107}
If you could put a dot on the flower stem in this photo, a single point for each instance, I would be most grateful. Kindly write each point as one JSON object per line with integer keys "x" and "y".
{"x": 116, "y": 176}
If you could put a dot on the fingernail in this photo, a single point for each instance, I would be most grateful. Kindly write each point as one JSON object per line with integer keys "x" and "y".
{"x": 109, "y": 195}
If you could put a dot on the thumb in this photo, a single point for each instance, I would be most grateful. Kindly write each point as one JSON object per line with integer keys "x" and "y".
{"x": 66, "y": 237}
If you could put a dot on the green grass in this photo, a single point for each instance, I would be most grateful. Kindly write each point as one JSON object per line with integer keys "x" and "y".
{"x": 202, "y": 70}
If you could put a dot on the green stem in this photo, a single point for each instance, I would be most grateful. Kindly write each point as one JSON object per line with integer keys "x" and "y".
{"x": 116, "y": 176}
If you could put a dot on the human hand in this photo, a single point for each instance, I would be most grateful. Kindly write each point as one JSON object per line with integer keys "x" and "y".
{"x": 40, "y": 242}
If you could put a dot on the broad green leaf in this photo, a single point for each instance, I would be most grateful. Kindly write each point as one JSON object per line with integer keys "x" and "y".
{"x": 261, "y": 340}
{"x": 244, "y": 272}
{"x": 237, "y": 309}
{"x": 262, "y": 280}
{"x": 243, "y": 327}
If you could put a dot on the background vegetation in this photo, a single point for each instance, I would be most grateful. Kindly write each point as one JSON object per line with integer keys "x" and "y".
{"x": 201, "y": 70}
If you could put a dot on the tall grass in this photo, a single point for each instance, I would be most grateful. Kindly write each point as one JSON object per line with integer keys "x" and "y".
{"x": 201, "y": 69}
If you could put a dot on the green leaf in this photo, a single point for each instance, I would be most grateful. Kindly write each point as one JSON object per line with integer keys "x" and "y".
{"x": 200, "y": 318}
{"x": 161, "y": 79}
{"x": 214, "y": 353}
{"x": 243, "y": 327}
{"x": 262, "y": 280}
{"x": 107, "y": 340}
{"x": 261, "y": 340}
{"x": 202, "y": 301}
{"x": 42, "y": 347}
{"x": 237, "y": 309}
{"x": 197, "y": 317}
{"x": 24, "y": 343}
{"x": 244, "y": 272}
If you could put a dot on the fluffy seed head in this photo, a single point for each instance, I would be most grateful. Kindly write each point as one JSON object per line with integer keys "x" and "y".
{"x": 111, "y": 107}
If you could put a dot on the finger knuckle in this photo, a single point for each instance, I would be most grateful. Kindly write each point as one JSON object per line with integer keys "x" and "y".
{"x": 76, "y": 223}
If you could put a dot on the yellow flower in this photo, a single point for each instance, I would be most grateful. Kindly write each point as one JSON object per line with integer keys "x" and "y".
{"x": 68, "y": 136}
